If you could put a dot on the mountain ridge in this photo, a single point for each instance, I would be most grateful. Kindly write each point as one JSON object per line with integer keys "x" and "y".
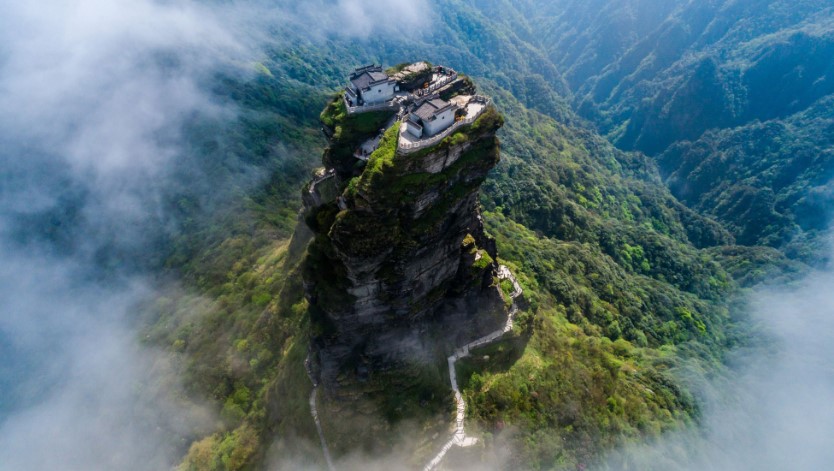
{"x": 621, "y": 276}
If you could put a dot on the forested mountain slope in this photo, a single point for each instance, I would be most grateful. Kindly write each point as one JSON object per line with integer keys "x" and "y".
{"x": 656, "y": 160}
{"x": 652, "y": 74}
{"x": 767, "y": 181}
{"x": 614, "y": 274}
{"x": 624, "y": 282}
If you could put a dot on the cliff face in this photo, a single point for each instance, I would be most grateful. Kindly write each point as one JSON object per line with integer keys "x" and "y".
{"x": 400, "y": 269}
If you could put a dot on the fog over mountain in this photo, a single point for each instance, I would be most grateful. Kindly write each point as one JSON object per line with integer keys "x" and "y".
{"x": 99, "y": 105}
{"x": 772, "y": 410}
{"x": 93, "y": 99}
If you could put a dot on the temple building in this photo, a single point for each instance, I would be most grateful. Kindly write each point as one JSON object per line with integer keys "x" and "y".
{"x": 430, "y": 116}
{"x": 369, "y": 85}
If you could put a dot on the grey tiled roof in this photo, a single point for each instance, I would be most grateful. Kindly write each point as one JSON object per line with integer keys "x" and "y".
{"x": 431, "y": 108}
{"x": 364, "y": 77}
{"x": 361, "y": 70}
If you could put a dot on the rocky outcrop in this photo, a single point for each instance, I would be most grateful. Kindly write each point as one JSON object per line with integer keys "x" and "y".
{"x": 401, "y": 269}
{"x": 413, "y": 76}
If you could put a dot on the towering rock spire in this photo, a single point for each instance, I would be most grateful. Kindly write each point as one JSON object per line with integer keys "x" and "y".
{"x": 400, "y": 268}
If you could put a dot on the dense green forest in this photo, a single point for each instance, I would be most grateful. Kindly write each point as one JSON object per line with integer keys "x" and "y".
{"x": 630, "y": 261}
{"x": 687, "y": 82}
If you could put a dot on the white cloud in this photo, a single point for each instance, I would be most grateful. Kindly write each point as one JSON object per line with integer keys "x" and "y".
{"x": 93, "y": 95}
{"x": 774, "y": 411}
{"x": 98, "y": 400}
{"x": 93, "y": 98}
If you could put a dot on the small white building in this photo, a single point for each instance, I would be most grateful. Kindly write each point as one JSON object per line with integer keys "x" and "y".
{"x": 369, "y": 85}
{"x": 430, "y": 117}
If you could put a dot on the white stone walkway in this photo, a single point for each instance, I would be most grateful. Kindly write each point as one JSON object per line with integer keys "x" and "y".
{"x": 315, "y": 413}
{"x": 459, "y": 437}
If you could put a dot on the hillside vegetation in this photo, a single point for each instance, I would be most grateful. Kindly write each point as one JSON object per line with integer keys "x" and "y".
{"x": 685, "y": 81}
{"x": 628, "y": 262}
{"x": 615, "y": 283}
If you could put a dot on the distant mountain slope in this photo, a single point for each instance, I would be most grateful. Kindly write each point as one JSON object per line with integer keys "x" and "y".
{"x": 766, "y": 181}
{"x": 652, "y": 74}
{"x": 773, "y": 56}
{"x": 623, "y": 280}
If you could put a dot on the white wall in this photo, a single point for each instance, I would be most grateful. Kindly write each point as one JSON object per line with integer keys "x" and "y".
{"x": 379, "y": 93}
{"x": 414, "y": 129}
{"x": 443, "y": 121}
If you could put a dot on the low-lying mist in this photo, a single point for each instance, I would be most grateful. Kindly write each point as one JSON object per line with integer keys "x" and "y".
{"x": 94, "y": 98}
{"x": 88, "y": 396}
{"x": 773, "y": 408}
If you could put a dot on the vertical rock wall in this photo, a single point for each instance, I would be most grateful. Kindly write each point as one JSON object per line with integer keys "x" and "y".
{"x": 400, "y": 269}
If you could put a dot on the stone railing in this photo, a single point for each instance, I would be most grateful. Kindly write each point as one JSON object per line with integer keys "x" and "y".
{"x": 409, "y": 147}
{"x": 326, "y": 175}
{"x": 480, "y": 99}
{"x": 436, "y": 85}
{"x": 388, "y": 105}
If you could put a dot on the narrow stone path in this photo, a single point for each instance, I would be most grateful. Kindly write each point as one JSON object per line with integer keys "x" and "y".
{"x": 315, "y": 413}
{"x": 459, "y": 437}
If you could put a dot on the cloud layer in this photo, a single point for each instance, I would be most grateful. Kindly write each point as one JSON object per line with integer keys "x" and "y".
{"x": 774, "y": 411}
{"x": 94, "y": 96}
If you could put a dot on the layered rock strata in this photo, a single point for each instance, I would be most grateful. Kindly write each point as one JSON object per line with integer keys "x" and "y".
{"x": 400, "y": 269}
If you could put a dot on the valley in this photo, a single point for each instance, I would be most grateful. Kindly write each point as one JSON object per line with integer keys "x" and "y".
{"x": 439, "y": 234}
